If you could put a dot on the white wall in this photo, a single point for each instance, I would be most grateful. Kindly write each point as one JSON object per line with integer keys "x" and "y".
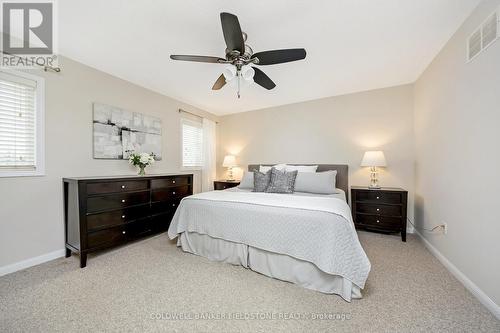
{"x": 31, "y": 208}
{"x": 457, "y": 128}
{"x": 330, "y": 130}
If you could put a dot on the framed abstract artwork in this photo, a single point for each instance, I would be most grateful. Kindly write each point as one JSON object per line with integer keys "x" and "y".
{"x": 118, "y": 132}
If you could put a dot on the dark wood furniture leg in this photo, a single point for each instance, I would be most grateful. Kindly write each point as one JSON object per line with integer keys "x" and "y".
{"x": 83, "y": 260}
{"x": 403, "y": 235}
{"x": 68, "y": 253}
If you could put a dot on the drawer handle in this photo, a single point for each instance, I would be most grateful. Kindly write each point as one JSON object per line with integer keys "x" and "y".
{"x": 123, "y": 186}
{"x": 378, "y": 221}
{"x": 378, "y": 209}
{"x": 123, "y": 200}
{"x": 173, "y": 192}
{"x": 378, "y": 198}
{"x": 223, "y": 186}
{"x": 123, "y": 216}
{"x": 173, "y": 181}
{"x": 173, "y": 205}
{"x": 123, "y": 232}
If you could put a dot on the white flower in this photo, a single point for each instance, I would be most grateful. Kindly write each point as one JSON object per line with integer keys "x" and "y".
{"x": 145, "y": 158}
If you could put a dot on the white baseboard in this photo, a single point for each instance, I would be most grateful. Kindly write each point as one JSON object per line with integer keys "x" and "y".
{"x": 471, "y": 286}
{"x": 31, "y": 262}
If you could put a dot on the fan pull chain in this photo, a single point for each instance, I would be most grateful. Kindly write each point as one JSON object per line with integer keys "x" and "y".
{"x": 239, "y": 79}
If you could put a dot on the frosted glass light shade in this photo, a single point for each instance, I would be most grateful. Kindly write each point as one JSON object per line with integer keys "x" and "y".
{"x": 229, "y": 73}
{"x": 247, "y": 73}
{"x": 374, "y": 158}
{"x": 229, "y": 161}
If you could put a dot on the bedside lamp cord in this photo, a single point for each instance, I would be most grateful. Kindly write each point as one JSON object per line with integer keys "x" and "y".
{"x": 426, "y": 229}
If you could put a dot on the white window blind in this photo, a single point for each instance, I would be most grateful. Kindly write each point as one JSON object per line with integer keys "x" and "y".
{"x": 18, "y": 116}
{"x": 192, "y": 144}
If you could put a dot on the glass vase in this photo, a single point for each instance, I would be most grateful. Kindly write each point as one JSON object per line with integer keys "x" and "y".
{"x": 142, "y": 172}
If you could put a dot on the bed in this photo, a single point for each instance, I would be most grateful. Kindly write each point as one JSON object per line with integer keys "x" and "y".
{"x": 303, "y": 238}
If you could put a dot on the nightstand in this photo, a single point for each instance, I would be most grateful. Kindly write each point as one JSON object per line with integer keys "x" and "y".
{"x": 224, "y": 184}
{"x": 382, "y": 209}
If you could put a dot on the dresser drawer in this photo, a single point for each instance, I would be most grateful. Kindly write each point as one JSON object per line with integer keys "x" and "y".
{"x": 379, "y": 209}
{"x": 116, "y": 186}
{"x": 116, "y": 201}
{"x": 161, "y": 222}
{"x": 140, "y": 228}
{"x": 218, "y": 185}
{"x": 383, "y": 222}
{"x": 170, "y": 193}
{"x": 120, "y": 233}
{"x": 107, "y": 237}
{"x": 165, "y": 206}
{"x": 169, "y": 182}
{"x": 379, "y": 197}
{"x": 116, "y": 217}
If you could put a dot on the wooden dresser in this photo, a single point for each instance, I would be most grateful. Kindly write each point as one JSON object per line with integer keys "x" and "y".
{"x": 381, "y": 209}
{"x": 104, "y": 212}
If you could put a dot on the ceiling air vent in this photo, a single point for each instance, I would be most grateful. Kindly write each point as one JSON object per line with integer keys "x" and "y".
{"x": 475, "y": 44}
{"x": 484, "y": 35}
{"x": 490, "y": 30}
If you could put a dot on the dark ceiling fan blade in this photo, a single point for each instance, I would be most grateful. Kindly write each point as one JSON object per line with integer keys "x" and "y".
{"x": 221, "y": 81}
{"x": 279, "y": 56}
{"x": 232, "y": 32}
{"x": 262, "y": 79}
{"x": 214, "y": 60}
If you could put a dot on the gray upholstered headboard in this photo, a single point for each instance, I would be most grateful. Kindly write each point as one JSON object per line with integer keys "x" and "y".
{"x": 341, "y": 182}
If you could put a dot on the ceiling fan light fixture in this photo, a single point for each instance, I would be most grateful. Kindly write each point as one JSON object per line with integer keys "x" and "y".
{"x": 229, "y": 73}
{"x": 241, "y": 58}
{"x": 247, "y": 73}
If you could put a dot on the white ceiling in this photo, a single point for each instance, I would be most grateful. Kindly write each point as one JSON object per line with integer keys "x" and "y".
{"x": 352, "y": 45}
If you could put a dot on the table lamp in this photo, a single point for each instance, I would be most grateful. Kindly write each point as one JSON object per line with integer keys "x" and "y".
{"x": 374, "y": 159}
{"x": 229, "y": 162}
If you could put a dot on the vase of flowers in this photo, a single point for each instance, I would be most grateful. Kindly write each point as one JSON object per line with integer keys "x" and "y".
{"x": 141, "y": 161}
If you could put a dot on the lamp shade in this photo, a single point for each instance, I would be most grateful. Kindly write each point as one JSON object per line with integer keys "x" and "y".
{"x": 229, "y": 161}
{"x": 374, "y": 159}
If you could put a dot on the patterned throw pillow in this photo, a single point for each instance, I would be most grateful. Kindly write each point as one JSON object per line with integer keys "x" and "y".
{"x": 260, "y": 180}
{"x": 282, "y": 181}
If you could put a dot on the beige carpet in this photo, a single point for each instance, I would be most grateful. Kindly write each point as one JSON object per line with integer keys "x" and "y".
{"x": 140, "y": 287}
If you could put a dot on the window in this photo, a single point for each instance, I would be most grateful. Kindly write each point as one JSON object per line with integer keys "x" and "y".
{"x": 192, "y": 144}
{"x": 21, "y": 124}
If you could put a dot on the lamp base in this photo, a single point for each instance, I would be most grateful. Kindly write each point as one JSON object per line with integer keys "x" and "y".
{"x": 374, "y": 178}
{"x": 374, "y": 187}
{"x": 230, "y": 174}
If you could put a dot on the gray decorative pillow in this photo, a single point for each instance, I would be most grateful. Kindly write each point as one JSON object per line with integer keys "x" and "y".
{"x": 246, "y": 181}
{"x": 261, "y": 180}
{"x": 316, "y": 182}
{"x": 282, "y": 181}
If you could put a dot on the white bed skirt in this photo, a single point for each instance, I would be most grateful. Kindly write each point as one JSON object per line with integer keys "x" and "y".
{"x": 278, "y": 266}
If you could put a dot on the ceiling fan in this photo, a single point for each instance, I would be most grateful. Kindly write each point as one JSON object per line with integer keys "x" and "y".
{"x": 241, "y": 56}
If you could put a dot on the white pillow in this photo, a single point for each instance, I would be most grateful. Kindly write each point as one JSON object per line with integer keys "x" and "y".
{"x": 301, "y": 168}
{"x": 265, "y": 169}
{"x": 317, "y": 182}
{"x": 246, "y": 181}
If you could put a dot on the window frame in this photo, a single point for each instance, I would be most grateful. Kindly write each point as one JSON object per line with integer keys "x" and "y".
{"x": 183, "y": 167}
{"x": 39, "y": 128}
